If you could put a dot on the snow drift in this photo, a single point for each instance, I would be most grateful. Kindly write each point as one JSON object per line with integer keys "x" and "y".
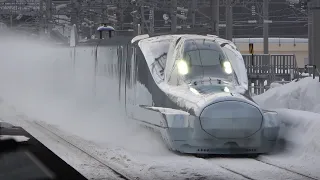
{"x": 301, "y": 95}
{"x": 301, "y": 153}
{"x": 298, "y": 107}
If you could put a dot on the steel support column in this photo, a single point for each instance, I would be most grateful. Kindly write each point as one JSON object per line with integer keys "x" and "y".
{"x": 215, "y": 17}
{"x": 173, "y": 12}
{"x": 193, "y": 11}
{"x": 315, "y": 32}
{"x": 266, "y": 26}
{"x": 49, "y": 16}
{"x": 310, "y": 58}
{"x": 229, "y": 20}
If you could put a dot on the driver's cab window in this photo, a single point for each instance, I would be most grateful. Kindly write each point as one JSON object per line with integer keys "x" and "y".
{"x": 200, "y": 59}
{"x": 204, "y": 58}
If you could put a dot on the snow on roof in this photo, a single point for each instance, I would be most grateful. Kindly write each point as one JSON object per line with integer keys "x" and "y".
{"x": 105, "y": 28}
{"x": 189, "y": 36}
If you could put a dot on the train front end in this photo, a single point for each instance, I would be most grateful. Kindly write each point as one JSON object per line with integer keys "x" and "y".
{"x": 213, "y": 112}
{"x": 225, "y": 124}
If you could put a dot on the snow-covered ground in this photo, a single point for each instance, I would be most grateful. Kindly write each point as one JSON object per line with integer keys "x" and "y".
{"x": 38, "y": 90}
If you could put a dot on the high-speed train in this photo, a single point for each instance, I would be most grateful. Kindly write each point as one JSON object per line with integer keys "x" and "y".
{"x": 193, "y": 89}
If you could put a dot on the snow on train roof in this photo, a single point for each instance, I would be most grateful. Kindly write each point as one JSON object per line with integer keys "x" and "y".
{"x": 162, "y": 48}
{"x": 167, "y": 37}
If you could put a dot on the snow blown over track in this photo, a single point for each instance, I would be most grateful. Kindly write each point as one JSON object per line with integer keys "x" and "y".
{"x": 36, "y": 79}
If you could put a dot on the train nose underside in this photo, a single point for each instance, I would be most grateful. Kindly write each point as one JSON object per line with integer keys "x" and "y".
{"x": 227, "y": 127}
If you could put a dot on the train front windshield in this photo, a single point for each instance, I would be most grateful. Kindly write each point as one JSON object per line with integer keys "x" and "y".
{"x": 204, "y": 58}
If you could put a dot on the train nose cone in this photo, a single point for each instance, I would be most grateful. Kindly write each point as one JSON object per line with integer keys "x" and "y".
{"x": 231, "y": 119}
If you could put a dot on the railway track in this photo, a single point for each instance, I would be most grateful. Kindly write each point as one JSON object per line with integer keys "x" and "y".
{"x": 265, "y": 169}
{"x": 120, "y": 174}
{"x": 238, "y": 173}
{"x": 247, "y": 168}
{"x": 288, "y": 170}
{"x": 274, "y": 170}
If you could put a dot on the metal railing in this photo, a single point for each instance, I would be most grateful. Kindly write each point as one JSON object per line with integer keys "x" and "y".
{"x": 263, "y": 69}
{"x": 272, "y": 66}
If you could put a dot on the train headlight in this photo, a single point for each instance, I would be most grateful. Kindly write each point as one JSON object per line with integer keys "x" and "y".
{"x": 182, "y": 67}
{"x": 226, "y": 89}
{"x": 227, "y": 67}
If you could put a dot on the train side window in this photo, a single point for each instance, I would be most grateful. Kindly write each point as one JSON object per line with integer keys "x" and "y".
{"x": 155, "y": 54}
{"x": 159, "y": 66}
{"x": 173, "y": 75}
{"x": 159, "y": 50}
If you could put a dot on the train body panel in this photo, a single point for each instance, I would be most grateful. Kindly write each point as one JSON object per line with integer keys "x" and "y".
{"x": 196, "y": 111}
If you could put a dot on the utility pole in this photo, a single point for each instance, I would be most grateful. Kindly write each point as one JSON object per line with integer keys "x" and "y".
{"x": 121, "y": 11}
{"x": 74, "y": 13}
{"x": 193, "y": 11}
{"x": 143, "y": 20}
{"x": 215, "y": 17}
{"x": 151, "y": 20}
{"x": 136, "y": 29}
{"x": 266, "y": 26}
{"x": 229, "y": 20}
{"x": 173, "y": 12}
{"x": 49, "y": 16}
{"x": 315, "y": 32}
{"x": 310, "y": 58}
{"x": 41, "y": 29}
